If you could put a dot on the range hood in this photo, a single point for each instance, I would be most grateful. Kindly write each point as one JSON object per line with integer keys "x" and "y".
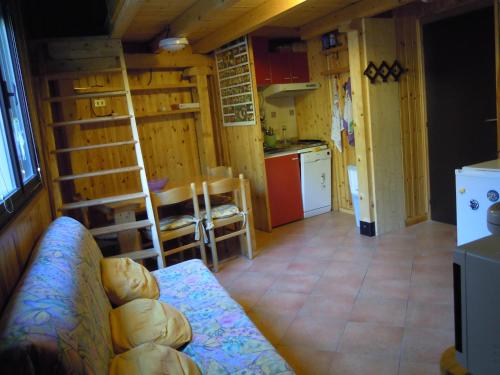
{"x": 289, "y": 89}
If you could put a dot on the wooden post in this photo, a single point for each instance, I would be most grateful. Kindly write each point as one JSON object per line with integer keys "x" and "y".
{"x": 361, "y": 129}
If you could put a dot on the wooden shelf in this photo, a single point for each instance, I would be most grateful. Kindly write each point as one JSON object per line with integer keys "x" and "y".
{"x": 98, "y": 173}
{"x": 92, "y": 147}
{"x": 95, "y": 120}
{"x": 331, "y": 51}
{"x": 79, "y": 73}
{"x": 100, "y": 201}
{"x": 89, "y": 95}
{"x": 331, "y": 72}
{"x": 168, "y": 113}
{"x": 166, "y": 87}
{"x": 121, "y": 227}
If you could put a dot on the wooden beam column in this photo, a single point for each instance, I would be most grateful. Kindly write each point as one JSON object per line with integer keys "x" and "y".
{"x": 361, "y": 129}
{"x": 204, "y": 128}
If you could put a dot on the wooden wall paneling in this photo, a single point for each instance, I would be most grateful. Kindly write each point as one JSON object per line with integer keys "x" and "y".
{"x": 17, "y": 240}
{"x": 413, "y": 118}
{"x": 169, "y": 143}
{"x": 384, "y": 110}
{"x": 204, "y": 125}
{"x": 220, "y": 139}
{"x": 362, "y": 131}
{"x": 245, "y": 144}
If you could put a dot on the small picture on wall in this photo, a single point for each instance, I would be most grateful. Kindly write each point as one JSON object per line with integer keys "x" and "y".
{"x": 235, "y": 83}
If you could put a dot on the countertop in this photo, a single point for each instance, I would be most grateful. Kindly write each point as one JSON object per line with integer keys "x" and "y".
{"x": 292, "y": 148}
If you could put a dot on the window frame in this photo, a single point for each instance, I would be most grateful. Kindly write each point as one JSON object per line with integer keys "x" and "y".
{"x": 25, "y": 191}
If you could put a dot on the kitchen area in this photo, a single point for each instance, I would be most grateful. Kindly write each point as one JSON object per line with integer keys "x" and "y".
{"x": 300, "y": 166}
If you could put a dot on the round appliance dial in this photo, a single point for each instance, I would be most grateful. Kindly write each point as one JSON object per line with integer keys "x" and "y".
{"x": 492, "y": 195}
{"x": 474, "y": 204}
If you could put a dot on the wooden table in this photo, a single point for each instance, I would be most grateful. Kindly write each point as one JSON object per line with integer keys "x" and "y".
{"x": 126, "y": 211}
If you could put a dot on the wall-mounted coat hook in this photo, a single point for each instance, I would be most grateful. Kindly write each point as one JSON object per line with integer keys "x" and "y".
{"x": 384, "y": 71}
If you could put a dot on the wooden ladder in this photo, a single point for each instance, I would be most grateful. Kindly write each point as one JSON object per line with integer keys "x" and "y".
{"x": 62, "y": 59}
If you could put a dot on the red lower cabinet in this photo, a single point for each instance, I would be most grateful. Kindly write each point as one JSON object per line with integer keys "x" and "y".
{"x": 283, "y": 185}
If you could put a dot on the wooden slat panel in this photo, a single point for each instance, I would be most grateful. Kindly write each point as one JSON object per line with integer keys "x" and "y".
{"x": 18, "y": 239}
{"x": 93, "y": 147}
{"x": 95, "y": 120}
{"x": 98, "y": 173}
{"x": 101, "y": 94}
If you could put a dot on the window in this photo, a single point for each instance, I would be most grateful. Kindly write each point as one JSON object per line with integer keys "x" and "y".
{"x": 19, "y": 172}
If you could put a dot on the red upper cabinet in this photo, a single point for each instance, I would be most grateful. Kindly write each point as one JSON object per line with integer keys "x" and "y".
{"x": 280, "y": 67}
{"x": 261, "y": 60}
{"x": 299, "y": 67}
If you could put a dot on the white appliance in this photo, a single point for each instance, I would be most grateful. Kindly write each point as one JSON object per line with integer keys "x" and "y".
{"x": 289, "y": 89}
{"x": 477, "y": 188}
{"x": 315, "y": 167}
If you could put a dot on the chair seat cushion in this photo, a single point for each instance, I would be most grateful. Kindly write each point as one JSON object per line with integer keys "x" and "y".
{"x": 153, "y": 359}
{"x": 172, "y": 223}
{"x": 147, "y": 320}
{"x": 175, "y": 222}
{"x": 223, "y": 211}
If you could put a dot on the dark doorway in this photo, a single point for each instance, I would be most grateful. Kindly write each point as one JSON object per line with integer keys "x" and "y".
{"x": 460, "y": 80}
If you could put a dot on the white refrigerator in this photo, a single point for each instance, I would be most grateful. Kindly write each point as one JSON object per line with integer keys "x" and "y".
{"x": 477, "y": 188}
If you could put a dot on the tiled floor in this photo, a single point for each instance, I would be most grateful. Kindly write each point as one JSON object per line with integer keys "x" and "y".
{"x": 334, "y": 302}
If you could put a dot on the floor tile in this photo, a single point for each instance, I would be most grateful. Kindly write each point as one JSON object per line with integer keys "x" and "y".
{"x": 319, "y": 333}
{"x": 306, "y": 361}
{"x": 435, "y": 295}
{"x": 338, "y": 286}
{"x": 271, "y": 323}
{"x": 390, "y": 312}
{"x": 389, "y": 271}
{"x": 335, "y": 307}
{"x": 285, "y": 302}
{"x": 418, "y": 368}
{"x": 427, "y": 315}
{"x": 370, "y": 338}
{"x": 356, "y": 364}
{"x": 374, "y": 288}
{"x": 295, "y": 283}
{"x": 425, "y": 345}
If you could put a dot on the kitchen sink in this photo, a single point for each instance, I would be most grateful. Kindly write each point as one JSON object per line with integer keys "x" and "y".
{"x": 293, "y": 145}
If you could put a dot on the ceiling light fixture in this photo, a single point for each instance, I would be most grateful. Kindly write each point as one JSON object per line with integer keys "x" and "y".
{"x": 173, "y": 44}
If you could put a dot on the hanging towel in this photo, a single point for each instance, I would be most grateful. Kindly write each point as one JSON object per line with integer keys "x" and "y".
{"x": 347, "y": 120}
{"x": 336, "y": 119}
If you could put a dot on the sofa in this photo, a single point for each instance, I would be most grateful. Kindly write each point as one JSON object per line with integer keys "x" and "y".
{"x": 57, "y": 320}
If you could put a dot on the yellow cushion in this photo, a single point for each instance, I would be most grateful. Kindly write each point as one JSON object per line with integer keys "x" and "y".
{"x": 148, "y": 320}
{"x": 223, "y": 211}
{"x": 125, "y": 280}
{"x": 153, "y": 359}
{"x": 175, "y": 222}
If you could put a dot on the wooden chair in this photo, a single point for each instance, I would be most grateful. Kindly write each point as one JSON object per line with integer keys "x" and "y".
{"x": 174, "y": 227}
{"x": 227, "y": 214}
{"x": 220, "y": 171}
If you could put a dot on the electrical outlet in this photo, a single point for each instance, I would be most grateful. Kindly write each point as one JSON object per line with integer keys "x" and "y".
{"x": 99, "y": 103}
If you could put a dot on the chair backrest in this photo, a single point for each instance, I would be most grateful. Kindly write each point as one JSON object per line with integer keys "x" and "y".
{"x": 220, "y": 171}
{"x": 173, "y": 196}
{"x": 226, "y": 185}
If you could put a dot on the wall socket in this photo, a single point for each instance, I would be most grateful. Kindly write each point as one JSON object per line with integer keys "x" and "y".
{"x": 99, "y": 103}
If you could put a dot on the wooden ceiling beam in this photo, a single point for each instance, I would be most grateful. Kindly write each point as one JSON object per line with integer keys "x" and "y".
{"x": 122, "y": 16}
{"x": 360, "y": 9}
{"x": 251, "y": 21}
{"x": 194, "y": 16}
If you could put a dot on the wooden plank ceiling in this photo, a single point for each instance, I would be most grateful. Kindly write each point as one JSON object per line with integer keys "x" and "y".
{"x": 209, "y": 23}
{"x": 155, "y": 16}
